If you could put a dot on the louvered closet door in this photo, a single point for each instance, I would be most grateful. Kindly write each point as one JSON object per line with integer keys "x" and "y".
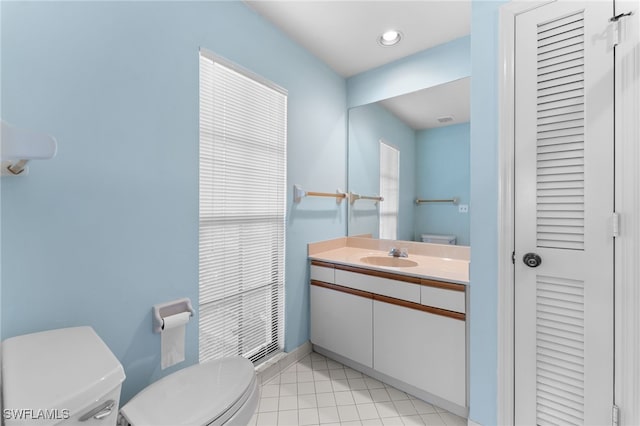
{"x": 564, "y": 203}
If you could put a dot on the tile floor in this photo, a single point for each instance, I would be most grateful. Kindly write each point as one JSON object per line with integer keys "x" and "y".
{"x": 319, "y": 391}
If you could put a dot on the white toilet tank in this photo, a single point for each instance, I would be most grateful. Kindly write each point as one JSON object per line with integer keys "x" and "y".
{"x": 60, "y": 377}
{"x": 438, "y": 239}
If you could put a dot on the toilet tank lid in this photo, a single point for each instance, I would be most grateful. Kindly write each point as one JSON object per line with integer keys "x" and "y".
{"x": 196, "y": 395}
{"x": 63, "y": 369}
{"x": 438, "y": 236}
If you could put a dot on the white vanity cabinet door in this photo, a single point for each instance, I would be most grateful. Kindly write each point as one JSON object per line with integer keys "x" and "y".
{"x": 422, "y": 349}
{"x": 342, "y": 323}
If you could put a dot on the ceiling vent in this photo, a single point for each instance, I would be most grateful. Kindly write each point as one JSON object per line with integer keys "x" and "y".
{"x": 445, "y": 119}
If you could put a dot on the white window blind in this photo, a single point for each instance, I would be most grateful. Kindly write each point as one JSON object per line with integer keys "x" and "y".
{"x": 243, "y": 131}
{"x": 389, "y": 190}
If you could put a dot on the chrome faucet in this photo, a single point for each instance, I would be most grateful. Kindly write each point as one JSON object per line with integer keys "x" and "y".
{"x": 398, "y": 252}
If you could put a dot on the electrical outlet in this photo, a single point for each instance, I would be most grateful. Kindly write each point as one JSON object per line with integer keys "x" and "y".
{"x": 463, "y": 208}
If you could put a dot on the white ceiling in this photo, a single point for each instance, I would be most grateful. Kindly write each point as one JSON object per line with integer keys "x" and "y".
{"x": 344, "y": 35}
{"x": 421, "y": 110}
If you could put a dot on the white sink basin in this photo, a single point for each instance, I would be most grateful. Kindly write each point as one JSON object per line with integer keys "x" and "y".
{"x": 396, "y": 262}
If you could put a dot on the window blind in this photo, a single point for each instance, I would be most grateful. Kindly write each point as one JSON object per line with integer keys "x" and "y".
{"x": 389, "y": 190}
{"x": 243, "y": 131}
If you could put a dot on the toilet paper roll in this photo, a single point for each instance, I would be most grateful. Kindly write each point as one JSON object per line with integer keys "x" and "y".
{"x": 172, "y": 339}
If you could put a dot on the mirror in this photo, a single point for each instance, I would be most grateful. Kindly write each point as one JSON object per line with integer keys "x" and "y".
{"x": 430, "y": 130}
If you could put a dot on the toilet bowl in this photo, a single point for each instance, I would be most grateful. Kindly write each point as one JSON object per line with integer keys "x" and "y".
{"x": 70, "y": 377}
{"x": 219, "y": 392}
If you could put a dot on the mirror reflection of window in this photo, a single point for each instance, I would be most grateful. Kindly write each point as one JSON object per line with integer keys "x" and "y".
{"x": 389, "y": 190}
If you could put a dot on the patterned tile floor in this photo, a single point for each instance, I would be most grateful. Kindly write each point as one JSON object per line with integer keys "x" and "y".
{"x": 319, "y": 391}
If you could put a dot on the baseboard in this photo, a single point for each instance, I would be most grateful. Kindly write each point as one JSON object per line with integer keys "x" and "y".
{"x": 280, "y": 362}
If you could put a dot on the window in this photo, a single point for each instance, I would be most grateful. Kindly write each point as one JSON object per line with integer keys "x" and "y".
{"x": 389, "y": 190}
{"x": 243, "y": 131}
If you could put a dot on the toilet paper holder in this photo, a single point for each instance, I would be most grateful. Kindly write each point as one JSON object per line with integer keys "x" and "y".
{"x": 174, "y": 307}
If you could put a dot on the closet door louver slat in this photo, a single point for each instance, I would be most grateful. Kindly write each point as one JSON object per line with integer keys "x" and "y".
{"x": 560, "y": 172}
{"x": 560, "y": 350}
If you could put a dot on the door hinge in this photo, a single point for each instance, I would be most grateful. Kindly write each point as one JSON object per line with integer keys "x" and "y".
{"x": 615, "y": 225}
{"x": 615, "y": 416}
{"x": 513, "y": 257}
{"x": 615, "y": 22}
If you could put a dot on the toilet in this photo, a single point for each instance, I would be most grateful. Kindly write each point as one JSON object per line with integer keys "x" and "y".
{"x": 438, "y": 239}
{"x": 70, "y": 377}
{"x": 218, "y": 392}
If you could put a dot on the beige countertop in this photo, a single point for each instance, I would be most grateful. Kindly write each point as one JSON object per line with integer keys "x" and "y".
{"x": 429, "y": 267}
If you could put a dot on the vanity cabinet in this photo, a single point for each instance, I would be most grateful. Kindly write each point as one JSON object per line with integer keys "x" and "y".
{"x": 407, "y": 328}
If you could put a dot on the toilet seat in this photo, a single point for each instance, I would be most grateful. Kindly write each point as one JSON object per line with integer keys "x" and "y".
{"x": 211, "y": 393}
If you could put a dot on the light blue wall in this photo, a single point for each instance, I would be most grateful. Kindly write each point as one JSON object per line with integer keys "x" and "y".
{"x": 109, "y": 227}
{"x": 442, "y": 172}
{"x": 367, "y": 125}
{"x": 431, "y": 67}
{"x": 484, "y": 211}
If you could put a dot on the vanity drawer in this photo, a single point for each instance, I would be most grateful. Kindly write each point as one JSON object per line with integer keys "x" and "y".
{"x": 374, "y": 284}
{"x": 443, "y": 298}
{"x": 322, "y": 273}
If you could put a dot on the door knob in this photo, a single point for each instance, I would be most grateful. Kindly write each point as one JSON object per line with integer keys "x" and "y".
{"x": 532, "y": 260}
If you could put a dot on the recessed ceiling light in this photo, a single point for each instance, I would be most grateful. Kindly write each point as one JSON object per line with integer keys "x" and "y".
{"x": 389, "y": 38}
